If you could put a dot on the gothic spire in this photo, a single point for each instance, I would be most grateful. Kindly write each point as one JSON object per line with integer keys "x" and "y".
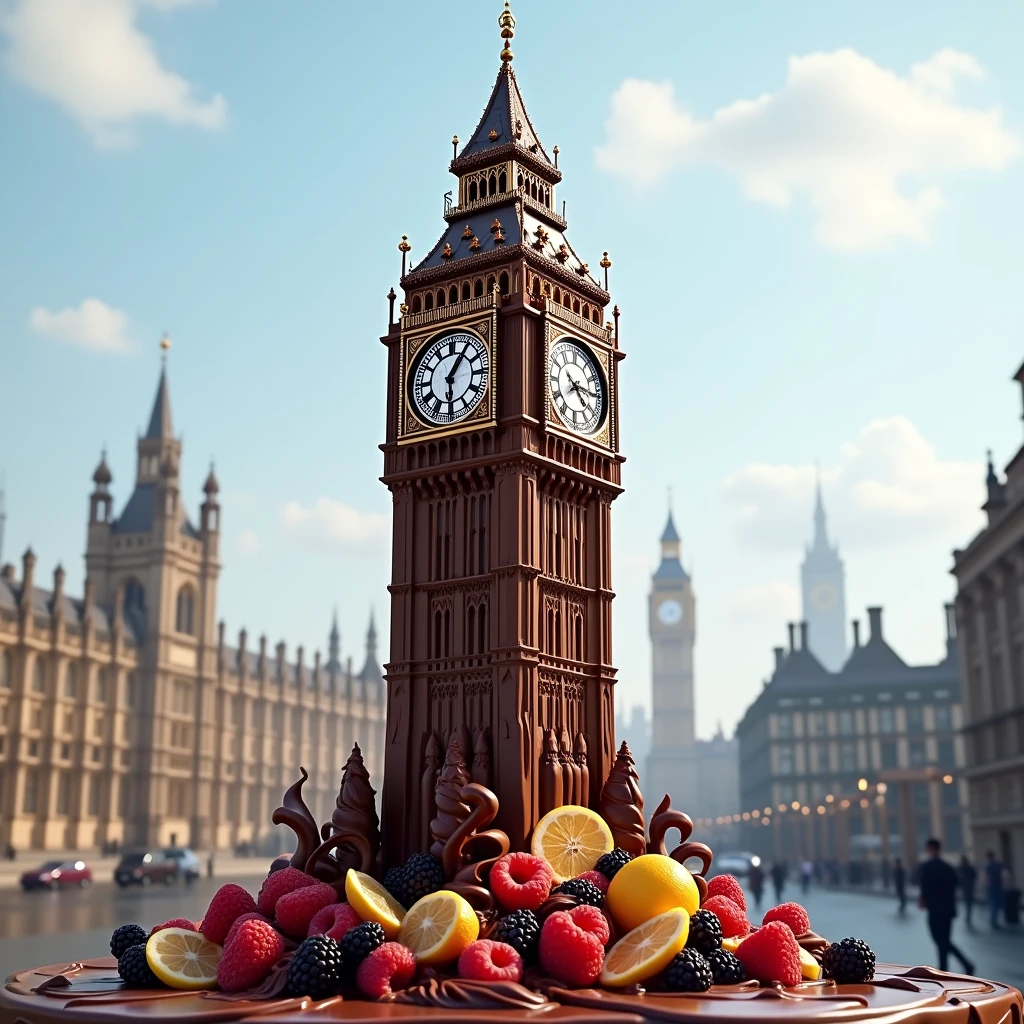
{"x": 371, "y": 670}
{"x": 160, "y": 427}
{"x": 820, "y": 527}
{"x": 334, "y": 644}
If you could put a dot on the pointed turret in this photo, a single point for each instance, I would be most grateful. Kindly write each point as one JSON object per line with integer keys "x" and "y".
{"x": 371, "y": 675}
{"x": 995, "y": 491}
{"x": 823, "y": 590}
{"x": 671, "y": 567}
{"x": 820, "y": 540}
{"x": 160, "y": 425}
{"x": 334, "y": 643}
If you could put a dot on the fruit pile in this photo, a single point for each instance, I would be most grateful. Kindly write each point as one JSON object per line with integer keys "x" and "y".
{"x": 575, "y": 909}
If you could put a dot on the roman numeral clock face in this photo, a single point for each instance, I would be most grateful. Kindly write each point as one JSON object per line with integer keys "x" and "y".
{"x": 449, "y": 377}
{"x": 577, "y": 387}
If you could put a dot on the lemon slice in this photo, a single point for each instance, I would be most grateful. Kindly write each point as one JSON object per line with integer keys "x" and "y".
{"x": 810, "y": 969}
{"x": 183, "y": 959}
{"x": 372, "y": 902}
{"x": 643, "y": 952}
{"x": 571, "y": 839}
{"x": 733, "y": 943}
{"x": 438, "y": 927}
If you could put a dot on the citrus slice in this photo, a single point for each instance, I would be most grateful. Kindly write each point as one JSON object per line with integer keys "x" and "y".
{"x": 372, "y": 902}
{"x": 438, "y": 927}
{"x": 733, "y": 943}
{"x": 183, "y": 959}
{"x": 643, "y": 952}
{"x": 810, "y": 969}
{"x": 571, "y": 839}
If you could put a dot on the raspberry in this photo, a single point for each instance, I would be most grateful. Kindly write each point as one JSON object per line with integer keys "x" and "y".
{"x": 295, "y": 910}
{"x": 584, "y": 891}
{"x": 734, "y": 920}
{"x": 792, "y": 914}
{"x": 125, "y": 937}
{"x": 727, "y": 885}
{"x": 568, "y": 952}
{"x": 688, "y": 971}
{"x": 595, "y": 878}
{"x": 334, "y": 921}
{"x": 279, "y": 884}
{"x": 485, "y": 960}
{"x": 176, "y": 922}
{"x": 239, "y": 921}
{"x": 134, "y": 969}
{"x": 591, "y": 919}
{"x": 316, "y": 968}
{"x": 726, "y": 967}
{"x": 609, "y": 864}
{"x": 521, "y": 881}
{"x": 771, "y": 954}
{"x": 389, "y": 966}
{"x": 850, "y": 962}
{"x": 254, "y": 950}
{"x": 229, "y": 903}
{"x": 705, "y": 932}
{"x": 521, "y": 931}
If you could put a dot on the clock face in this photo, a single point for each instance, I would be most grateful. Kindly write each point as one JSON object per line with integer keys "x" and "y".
{"x": 670, "y": 612}
{"x": 449, "y": 377}
{"x": 824, "y": 597}
{"x": 577, "y": 387}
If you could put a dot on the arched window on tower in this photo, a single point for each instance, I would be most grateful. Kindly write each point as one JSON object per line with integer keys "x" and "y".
{"x": 578, "y": 654}
{"x": 440, "y": 296}
{"x": 490, "y": 284}
{"x": 472, "y": 191}
{"x": 471, "y": 629}
{"x": 503, "y": 283}
{"x": 492, "y": 185}
{"x": 39, "y": 675}
{"x": 502, "y": 182}
{"x": 453, "y": 294}
{"x": 481, "y": 645}
{"x": 478, "y": 287}
{"x": 519, "y": 181}
{"x": 437, "y": 633}
{"x": 428, "y": 303}
{"x": 465, "y": 290}
{"x": 185, "y": 613}
{"x": 135, "y": 606}
{"x": 416, "y": 305}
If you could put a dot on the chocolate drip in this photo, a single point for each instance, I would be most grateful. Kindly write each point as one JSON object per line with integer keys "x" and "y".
{"x": 470, "y": 850}
{"x": 451, "y": 811}
{"x": 580, "y": 757}
{"x": 428, "y": 780}
{"x": 570, "y": 770}
{"x": 352, "y": 836}
{"x": 294, "y": 813}
{"x": 466, "y": 994}
{"x": 481, "y": 770}
{"x": 665, "y": 819}
{"x": 622, "y": 805}
{"x": 550, "y": 774}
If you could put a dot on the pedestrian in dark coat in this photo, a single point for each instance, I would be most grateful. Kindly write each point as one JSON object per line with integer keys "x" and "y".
{"x": 938, "y": 898}
{"x": 967, "y": 876}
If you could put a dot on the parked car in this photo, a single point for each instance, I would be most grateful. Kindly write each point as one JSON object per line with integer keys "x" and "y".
{"x": 734, "y": 863}
{"x": 188, "y": 863}
{"x": 146, "y": 867}
{"x": 56, "y": 874}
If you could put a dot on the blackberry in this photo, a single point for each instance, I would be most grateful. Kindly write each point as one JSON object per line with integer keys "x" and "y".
{"x": 705, "y": 932}
{"x": 357, "y": 944}
{"x": 688, "y": 972}
{"x": 726, "y": 967}
{"x": 394, "y": 882}
{"x": 521, "y": 931}
{"x": 584, "y": 891}
{"x": 316, "y": 969}
{"x": 849, "y": 962}
{"x": 610, "y": 863}
{"x": 423, "y": 875}
{"x": 125, "y": 936}
{"x": 134, "y": 969}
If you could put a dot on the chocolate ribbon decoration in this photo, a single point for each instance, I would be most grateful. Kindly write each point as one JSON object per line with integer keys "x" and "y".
{"x": 297, "y": 816}
{"x": 470, "y": 853}
{"x": 665, "y": 819}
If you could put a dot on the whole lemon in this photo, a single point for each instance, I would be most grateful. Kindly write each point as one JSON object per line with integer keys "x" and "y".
{"x": 648, "y": 886}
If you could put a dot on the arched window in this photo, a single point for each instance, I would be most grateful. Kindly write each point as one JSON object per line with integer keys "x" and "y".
{"x": 519, "y": 181}
{"x": 471, "y": 629}
{"x": 596, "y": 317}
{"x": 558, "y": 295}
{"x": 472, "y": 191}
{"x": 453, "y": 294}
{"x": 71, "y": 681}
{"x": 185, "y": 614}
{"x": 39, "y": 675}
{"x": 533, "y": 189}
{"x": 440, "y": 296}
{"x": 134, "y": 596}
{"x": 465, "y": 290}
{"x": 492, "y": 185}
{"x": 482, "y": 622}
{"x": 576, "y": 306}
{"x": 5, "y": 670}
{"x": 428, "y": 302}
{"x": 478, "y": 287}
{"x": 502, "y": 182}
{"x": 437, "y": 634}
{"x": 503, "y": 283}
{"x": 547, "y": 198}
{"x": 490, "y": 284}
{"x": 579, "y": 638}
{"x": 586, "y": 310}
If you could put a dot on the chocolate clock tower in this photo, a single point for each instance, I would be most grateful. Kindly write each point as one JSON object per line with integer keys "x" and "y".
{"x": 502, "y": 457}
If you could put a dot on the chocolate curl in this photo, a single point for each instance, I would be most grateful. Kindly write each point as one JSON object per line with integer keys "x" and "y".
{"x": 481, "y": 770}
{"x": 580, "y": 757}
{"x": 570, "y": 770}
{"x": 451, "y": 811}
{"x": 470, "y": 851}
{"x": 428, "y": 780}
{"x": 665, "y": 819}
{"x": 294, "y": 813}
{"x": 550, "y": 774}
{"x": 622, "y": 805}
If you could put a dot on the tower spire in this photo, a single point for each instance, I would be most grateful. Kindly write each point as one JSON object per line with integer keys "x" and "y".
{"x": 160, "y": 425}
{"x": 507, "y": 24}
{"x": 820, "y": 527}
{"x": 334, "y": 643}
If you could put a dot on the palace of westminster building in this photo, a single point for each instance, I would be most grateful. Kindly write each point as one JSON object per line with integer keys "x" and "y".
{"x": 125, "y": 717}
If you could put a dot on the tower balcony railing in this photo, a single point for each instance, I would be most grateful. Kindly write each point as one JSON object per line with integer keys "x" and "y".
{"x": 497, "y": 198}
{"x": 445, "y": 312}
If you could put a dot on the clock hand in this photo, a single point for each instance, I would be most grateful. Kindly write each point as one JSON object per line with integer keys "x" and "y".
{"x": 450, "y": 379}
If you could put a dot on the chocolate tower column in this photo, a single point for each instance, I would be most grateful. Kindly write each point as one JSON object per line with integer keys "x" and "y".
{"x": 550, "y": 775}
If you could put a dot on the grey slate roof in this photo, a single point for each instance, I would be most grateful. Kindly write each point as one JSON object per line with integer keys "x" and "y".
{"x": 137, "y": 515}
{"x": 670, "y": 569}
{"x": 42, "y": 606}
{"x": 670, "y": 535}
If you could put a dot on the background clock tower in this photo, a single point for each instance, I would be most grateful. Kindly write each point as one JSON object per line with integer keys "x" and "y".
{"x": 502, "y": 458}
{"x": 672, "y": 626}
{"x": 824, "y": 594}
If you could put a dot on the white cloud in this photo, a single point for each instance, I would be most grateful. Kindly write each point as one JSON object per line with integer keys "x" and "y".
{"x": 334, "y": 522}
{"x": 93, "y": 325}
{"x": 90, "y": 57}
{"x": 774, "y": 602}
{"x": 249, "y": 543}
{"x": 865, "y": 145}
{"x": 888, "y": 487}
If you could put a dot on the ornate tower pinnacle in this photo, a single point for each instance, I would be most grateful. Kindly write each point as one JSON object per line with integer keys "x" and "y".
{"x": 507, "y": 24}
{"x": 823, "y": 586}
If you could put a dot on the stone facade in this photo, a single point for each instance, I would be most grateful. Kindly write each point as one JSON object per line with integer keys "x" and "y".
{"x": 990, "y": 620}
{"x": 126, "y": 718}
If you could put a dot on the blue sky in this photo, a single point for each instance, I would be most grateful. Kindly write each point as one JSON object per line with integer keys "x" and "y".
{"x": 828, "y": 272}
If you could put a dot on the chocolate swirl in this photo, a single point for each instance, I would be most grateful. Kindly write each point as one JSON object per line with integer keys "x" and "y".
{"x": 622, "y": 805}
{"x": 466, "y": 994}
{"x": 451, "y": 810}
{"x": 666, "y": 818}
{"x": 294, "y": 813}
{"x": 470, "y": 851}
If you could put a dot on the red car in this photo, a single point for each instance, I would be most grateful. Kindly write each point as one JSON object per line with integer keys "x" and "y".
{"x": 55, "y": 874}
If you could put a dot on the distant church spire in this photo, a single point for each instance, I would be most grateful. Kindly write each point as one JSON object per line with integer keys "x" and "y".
{"x": 820, "y": 541}
{"x": 334, "y": 644}
{"x": 824, "y": 592}
{"x": 160, "y": 426}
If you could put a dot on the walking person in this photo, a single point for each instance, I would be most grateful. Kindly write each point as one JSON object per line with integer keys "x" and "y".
{"x": 806, "y": 873}
{"x": 779, "y": 879}
{"x": 967, "y": 876}
{"x": 993, "y": 887}
{"x": 938, "y": 898}
{"x": 899, "y": 881}
{"x": 755, "y": 879}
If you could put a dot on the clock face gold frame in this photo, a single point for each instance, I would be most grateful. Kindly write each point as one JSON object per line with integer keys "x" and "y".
{"x": 481, "y": 323}
{"x": 557, "y": 330}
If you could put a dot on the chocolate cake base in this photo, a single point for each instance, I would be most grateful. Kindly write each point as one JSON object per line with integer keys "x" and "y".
{"x": 91, "y": 991}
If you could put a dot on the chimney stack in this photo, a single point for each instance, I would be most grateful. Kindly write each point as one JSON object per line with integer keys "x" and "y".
{"x": 780, "y": 657}
{"x": 856, "y": 633}
{"x": 803, "y": 635}
{"x": 792, "y": 636}
{"x": 28, "y": 572}
{"x": 263, "y": 653}
{"x": 875, "y": 621}
{"x": 950, "y": 623}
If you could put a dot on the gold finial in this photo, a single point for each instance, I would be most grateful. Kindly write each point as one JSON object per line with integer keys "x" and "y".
{"x": 165, "y": 347}
{"x": 507, "y": 24}
{"x": 605, "y": 264}
{"x": 403, "y": 248}
{"x": 455, "y": 146}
